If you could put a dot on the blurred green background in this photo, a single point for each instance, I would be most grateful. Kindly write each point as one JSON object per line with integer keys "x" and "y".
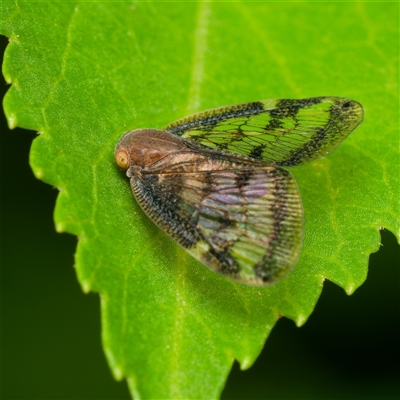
{"x": 348, "y": 349}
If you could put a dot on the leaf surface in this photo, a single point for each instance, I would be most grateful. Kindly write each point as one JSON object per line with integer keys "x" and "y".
{"x": 84, "y": 73}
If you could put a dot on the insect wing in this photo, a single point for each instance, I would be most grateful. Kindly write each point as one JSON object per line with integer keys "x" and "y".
{"x": 282, "y": 132}
{"x": 241, "y": 222}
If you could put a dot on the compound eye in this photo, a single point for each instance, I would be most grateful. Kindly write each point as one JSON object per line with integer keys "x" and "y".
{"x": 122, "y": 159}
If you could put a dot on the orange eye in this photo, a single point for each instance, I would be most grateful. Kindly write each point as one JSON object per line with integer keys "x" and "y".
{"x": 122, "y": 159}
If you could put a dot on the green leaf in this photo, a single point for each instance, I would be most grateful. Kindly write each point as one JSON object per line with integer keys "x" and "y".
{"x": 83, "y": 73}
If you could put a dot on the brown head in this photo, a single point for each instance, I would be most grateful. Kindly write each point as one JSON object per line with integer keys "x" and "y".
{"x": 143, "y": 147}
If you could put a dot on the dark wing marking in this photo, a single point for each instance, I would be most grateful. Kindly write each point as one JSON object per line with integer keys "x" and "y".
{"x": 281, "y": 132}
{"x": 243, "y": 223}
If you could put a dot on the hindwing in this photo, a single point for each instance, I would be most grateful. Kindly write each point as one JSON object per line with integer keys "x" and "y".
{"x": 243, "y": 222}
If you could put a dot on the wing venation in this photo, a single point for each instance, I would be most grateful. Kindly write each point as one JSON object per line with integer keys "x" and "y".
{"x": 243, "y": 223}
{"x": 281, "y": 132}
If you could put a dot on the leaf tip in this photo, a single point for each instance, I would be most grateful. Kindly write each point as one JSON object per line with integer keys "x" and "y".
{"x": 350, "y": 289}
{"x": 85, "y": 286}
{"x": 59, "y": 226}
{"x": 116, "y": 370}
{"x": 7, "y": 78}
{"x": 12, "y": 121}
{"x": 300, "y": 320}
{"x": 118, "y": 374}
{"x": 39, "y": 174}
{"x": 246, "y": 363}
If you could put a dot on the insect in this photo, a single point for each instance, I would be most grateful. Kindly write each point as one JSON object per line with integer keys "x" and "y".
{"x": 214, "y": 181}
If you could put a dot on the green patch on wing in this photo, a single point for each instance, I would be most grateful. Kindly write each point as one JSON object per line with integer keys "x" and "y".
{"x": 281, "y": 132}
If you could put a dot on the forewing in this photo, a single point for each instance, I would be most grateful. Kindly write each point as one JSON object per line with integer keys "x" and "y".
{"x": 281, "y": 132}
{"x": 243, "y": 223}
